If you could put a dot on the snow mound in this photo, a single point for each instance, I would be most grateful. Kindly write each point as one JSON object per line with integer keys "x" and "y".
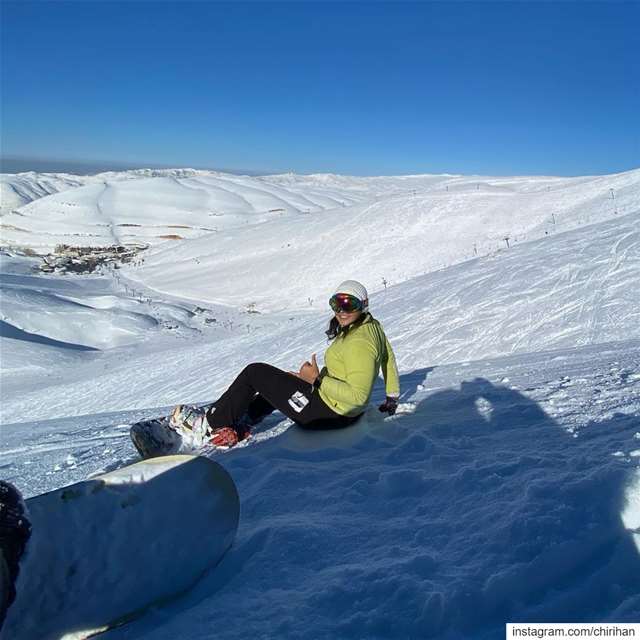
{"x": 64, "y": 320}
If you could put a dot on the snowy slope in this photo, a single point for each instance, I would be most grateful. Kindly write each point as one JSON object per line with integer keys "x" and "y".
{"x": 131, "y": 208}
{"x": 481, "y": 503}
{"x": 576, "y": 288}
{"x": 18, "y": 189}
{"x": 475, "y": 509}
{"x": 507, "y": 487}
{"x": 393, "y": 239}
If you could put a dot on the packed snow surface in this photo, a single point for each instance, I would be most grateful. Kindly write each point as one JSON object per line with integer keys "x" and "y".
{"x": 507, "y": 486}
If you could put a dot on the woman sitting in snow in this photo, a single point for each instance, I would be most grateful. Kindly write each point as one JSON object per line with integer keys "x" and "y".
{"x": 329, "y": 399}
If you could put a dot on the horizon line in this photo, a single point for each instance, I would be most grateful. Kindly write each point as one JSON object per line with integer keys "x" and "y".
{"x": 36, "y": 164}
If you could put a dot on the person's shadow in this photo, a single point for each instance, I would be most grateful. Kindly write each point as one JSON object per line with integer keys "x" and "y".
{"x": 536, "y": 533}
{"x": 520, "y": 518}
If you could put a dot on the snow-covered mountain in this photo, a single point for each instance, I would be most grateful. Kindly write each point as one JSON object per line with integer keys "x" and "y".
{"x": 507, "y": 488}
{"x": 18, "y": 189}
{"x": 152, "y": 207}
{"x": 432, "y": 221}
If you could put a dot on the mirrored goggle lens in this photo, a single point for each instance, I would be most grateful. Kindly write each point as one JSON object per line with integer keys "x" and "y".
{"x": 345, "y": 302}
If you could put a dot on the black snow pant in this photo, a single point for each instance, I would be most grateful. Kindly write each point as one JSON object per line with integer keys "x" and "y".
{"x": 261, "y": 389}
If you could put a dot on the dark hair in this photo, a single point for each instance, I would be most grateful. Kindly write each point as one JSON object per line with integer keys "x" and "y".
{"x": 335, "y": 329}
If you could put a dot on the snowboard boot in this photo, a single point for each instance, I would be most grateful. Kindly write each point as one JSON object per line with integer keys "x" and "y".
{"x": 15, "y": 530}
{"x": 191, "y": 424}
{"x": 230, "y": 436}
{"x": 224, "y": 437}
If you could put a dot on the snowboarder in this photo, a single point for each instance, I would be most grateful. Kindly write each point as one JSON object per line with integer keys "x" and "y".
{"x": 331, "y": 398}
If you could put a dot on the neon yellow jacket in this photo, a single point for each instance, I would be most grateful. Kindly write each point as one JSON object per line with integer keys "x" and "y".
{"x": 352, "y": 364}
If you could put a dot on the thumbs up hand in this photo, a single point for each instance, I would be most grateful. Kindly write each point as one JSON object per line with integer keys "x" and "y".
{"x": 309, "y": 371}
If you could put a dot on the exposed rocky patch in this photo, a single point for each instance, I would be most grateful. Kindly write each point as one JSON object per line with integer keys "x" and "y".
{"x": 70, "y": 259}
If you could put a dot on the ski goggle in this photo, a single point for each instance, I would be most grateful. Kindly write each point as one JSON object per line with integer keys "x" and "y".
{"x": 345, "y": 302}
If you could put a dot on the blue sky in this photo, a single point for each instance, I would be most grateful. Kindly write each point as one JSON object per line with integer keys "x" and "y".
{"x": 361, "y": 88}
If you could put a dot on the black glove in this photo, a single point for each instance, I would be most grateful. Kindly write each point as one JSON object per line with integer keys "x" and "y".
{"x": 389, "y": 406}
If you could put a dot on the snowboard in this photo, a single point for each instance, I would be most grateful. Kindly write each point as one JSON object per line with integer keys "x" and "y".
{"x": 153, "y": 438}
{"x": 104, "y": 550}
